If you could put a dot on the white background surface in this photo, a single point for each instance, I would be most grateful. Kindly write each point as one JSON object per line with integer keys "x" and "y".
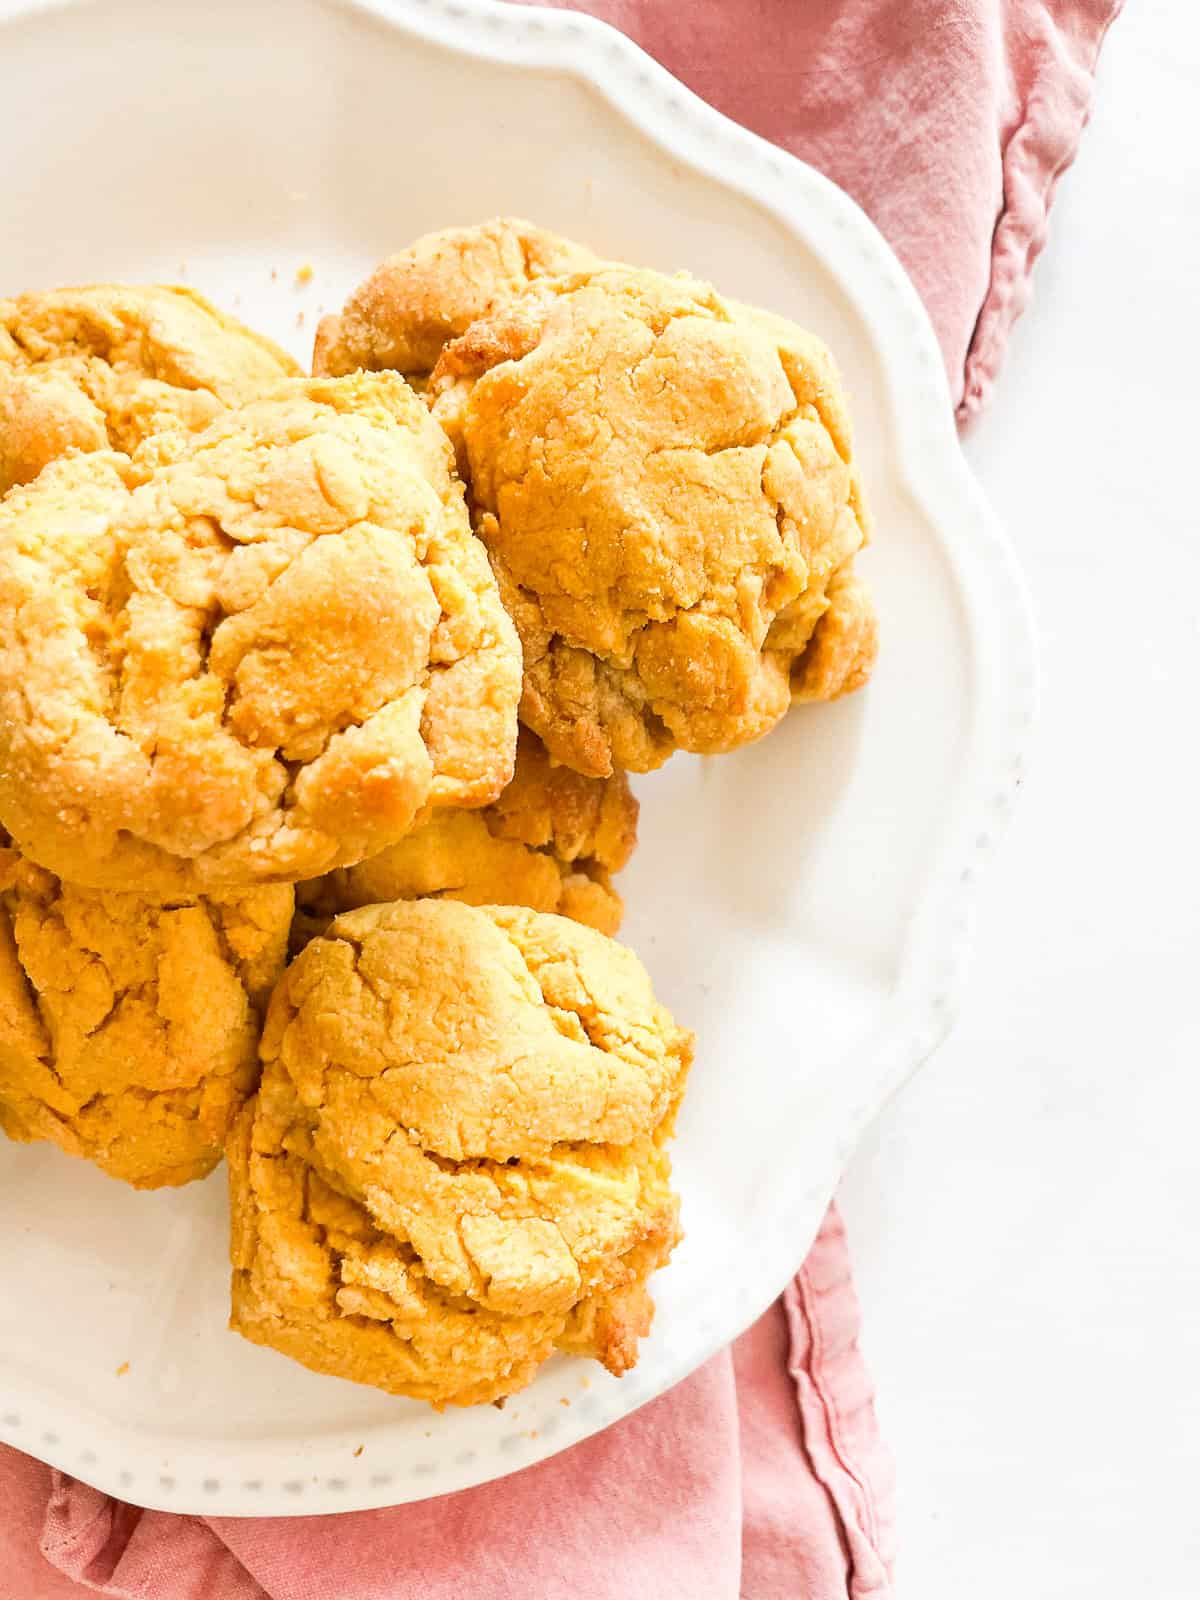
{"x": 1024, "y": 1217}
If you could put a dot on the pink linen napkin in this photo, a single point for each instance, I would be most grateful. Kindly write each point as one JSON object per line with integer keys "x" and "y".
{"x": 763, "y": 1475}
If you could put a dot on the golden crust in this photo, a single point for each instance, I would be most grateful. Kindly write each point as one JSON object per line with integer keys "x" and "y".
{"x": 107, "y": 365}
{"x": 252, "y": 654}
{"x": 456, "y": 1161}
{"x": 658, "y": 474}
{"x": 129, "y": 1029}
{"x": 417, "y": 300}
{"x": 840, "y": 654}
{"x": 550, "y": 842}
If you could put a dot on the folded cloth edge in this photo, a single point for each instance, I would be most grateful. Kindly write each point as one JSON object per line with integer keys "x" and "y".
{"x": 1035, "y": 158}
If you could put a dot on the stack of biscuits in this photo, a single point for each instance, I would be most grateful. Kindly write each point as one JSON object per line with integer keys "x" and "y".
{"x": 318, "y": 700}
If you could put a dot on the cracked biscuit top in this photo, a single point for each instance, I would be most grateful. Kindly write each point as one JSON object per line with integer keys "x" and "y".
{"x": 550, "y": 842}
{"x": 129, "y": 1029}
{"x": 105, "y": 366}
{"x": 658, "y": 475}
{"x": 251, "y": 654}
{"x": 456, "y": 1164}
{"x": 415, "y": 301}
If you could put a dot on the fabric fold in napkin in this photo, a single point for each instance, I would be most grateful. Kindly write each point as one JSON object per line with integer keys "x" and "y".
{"x": 762, "y": 1477}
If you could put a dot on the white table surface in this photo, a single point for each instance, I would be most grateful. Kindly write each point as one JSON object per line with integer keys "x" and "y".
{"x": 1025, "y": 1217}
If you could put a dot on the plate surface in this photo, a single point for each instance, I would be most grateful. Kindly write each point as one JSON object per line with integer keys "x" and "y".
{"x": 804, "y": 905}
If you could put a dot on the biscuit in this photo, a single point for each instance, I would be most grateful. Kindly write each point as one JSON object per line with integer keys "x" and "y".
{"x": 129, "y": 1029}
{"x": 415, "y": 301}
{"x": 252, "y": 654}
{"x": 659, "y": 476}
{"x": 834, "y": 654}
{"x": 550, "y": 842}
{"x": 107, "y": 365}
{"x": 456, "y": 1163}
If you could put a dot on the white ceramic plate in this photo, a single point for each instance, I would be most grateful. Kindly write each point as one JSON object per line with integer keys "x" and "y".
{"x": 804, "y": 905}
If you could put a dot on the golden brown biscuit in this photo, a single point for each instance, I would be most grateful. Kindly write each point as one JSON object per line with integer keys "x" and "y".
{"x": 251, "y": 654}
{"x": 413, "y": 302}
{"x": 129, "y": 1029}
{"x": 550, "y": 842}
{"x": 658, "y": 474}
{"x": 107, "y": 365}
{"x": 456, "y": 1163}
{"x": 835, "y": 654}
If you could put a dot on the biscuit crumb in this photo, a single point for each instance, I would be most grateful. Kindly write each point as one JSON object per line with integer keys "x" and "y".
{"x": 274, "y": 274}
{"x": 563, "y": 1400}
{"x": 299, "y": 319}
{"x": 122, "y": 1369}
{"x": 304, "y": 274}
{"x": 358, "y": 1452}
